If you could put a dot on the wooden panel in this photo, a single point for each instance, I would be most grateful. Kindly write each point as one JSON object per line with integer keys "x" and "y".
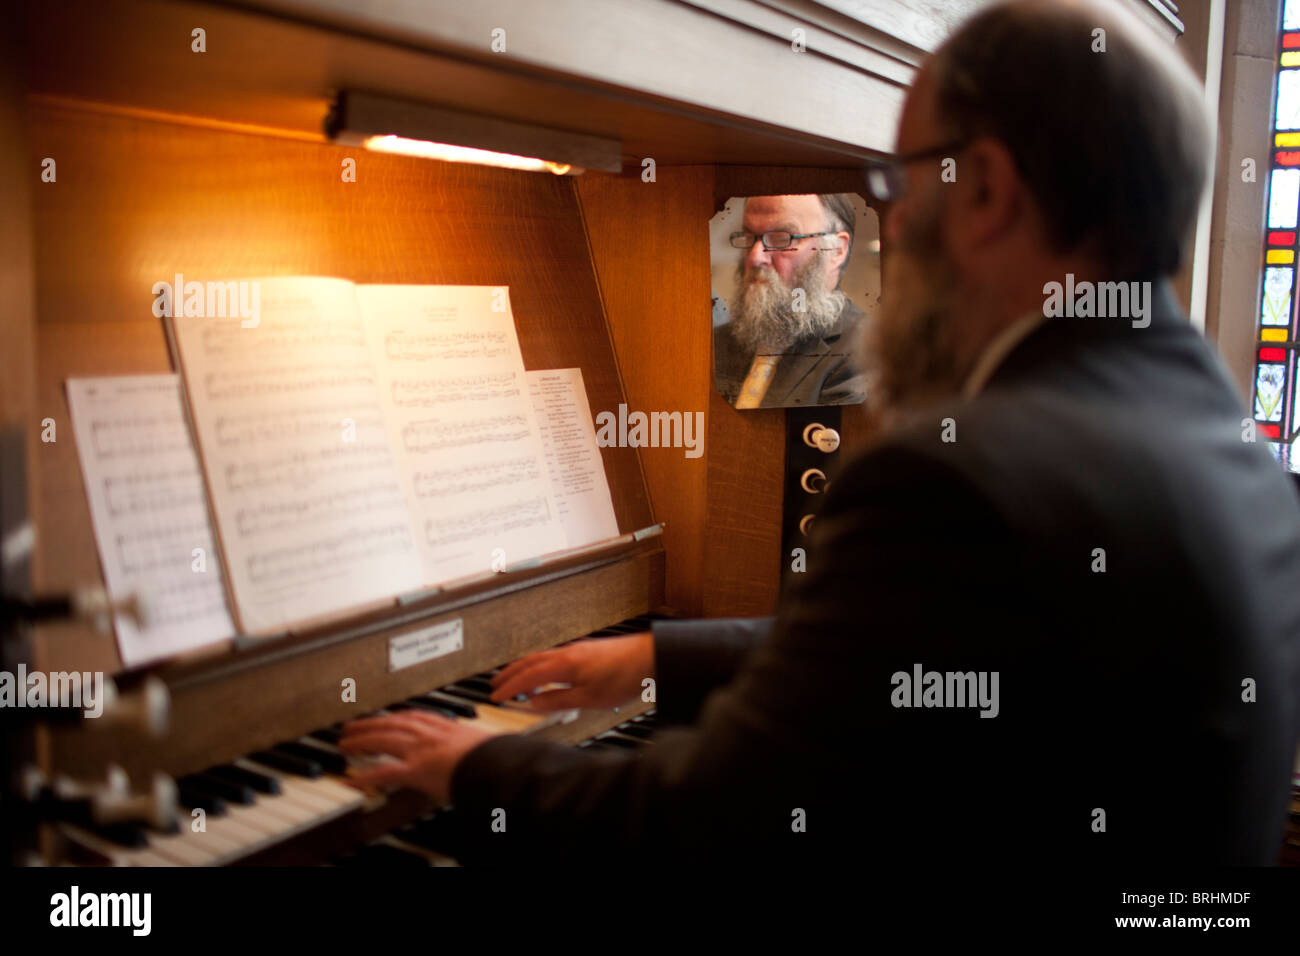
{"x": 666, "y": 95}
{"x": 137, "y": 201}
{"x": 17, "y": 276}
{"x": 217, "y": 716}
{"x": 650, "y": 245}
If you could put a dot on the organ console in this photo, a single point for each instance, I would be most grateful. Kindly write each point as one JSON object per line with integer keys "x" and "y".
{"x": 146, "y": 139}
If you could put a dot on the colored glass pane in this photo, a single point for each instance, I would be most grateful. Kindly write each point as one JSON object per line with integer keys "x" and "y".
{"x": 1286, "y": 139}
{"x": 1290, "y": 41}
{"x": 1269, "y": 380}
{"x": 1272, "y": 431}
{"x": 1283, "y": 193}
{"x": 1288, "y": 157}
{"x": 1276, "y": 307}
{"x": 1288, "y": 100}
{"x": 1281, "y": 238}
{"x": 1280, "y": 257}
{"x": 1272, "y": 355}
{"x": 1272, "y": 335}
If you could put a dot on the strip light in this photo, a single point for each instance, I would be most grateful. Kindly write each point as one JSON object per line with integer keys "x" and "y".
{"x": 433, "y": 132}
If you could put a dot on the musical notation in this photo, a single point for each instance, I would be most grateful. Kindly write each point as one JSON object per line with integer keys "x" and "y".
{"x": 487, "y": 523}
{"x": 401, "y": 345}
{"x": 573, "y": 460}
{"x": 432, "y": 392}
{"x": 442, "y": 482}
{"x": 437, "y": 435}
{"x": 149, "y": 513}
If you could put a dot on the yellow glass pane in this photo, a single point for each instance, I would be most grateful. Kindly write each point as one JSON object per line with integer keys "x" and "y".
{"x": 1291, "y": 58}
{"x": 1286, "y": 139}
{"x": 1272, "y": 335}
{"x": 1280, "y": 256}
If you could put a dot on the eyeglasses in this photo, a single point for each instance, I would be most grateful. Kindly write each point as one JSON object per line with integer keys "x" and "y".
{"x": 886, "y": 180}
{"x": 776, "y": 241}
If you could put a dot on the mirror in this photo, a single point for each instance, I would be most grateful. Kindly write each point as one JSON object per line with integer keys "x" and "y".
{"x": 793, "y": 278}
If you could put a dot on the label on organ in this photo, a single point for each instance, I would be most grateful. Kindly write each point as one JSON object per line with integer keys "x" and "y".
{"x": 416, "y": 647}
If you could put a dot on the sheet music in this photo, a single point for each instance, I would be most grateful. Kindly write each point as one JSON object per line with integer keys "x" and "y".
{"x": 573, "y": 461}
{"x": 149, "y": 513}
{"x": 304, "y": 485}
{"x": 459, "y": 414}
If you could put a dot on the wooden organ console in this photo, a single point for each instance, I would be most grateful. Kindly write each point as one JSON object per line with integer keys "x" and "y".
{"x": 175, "y": 159}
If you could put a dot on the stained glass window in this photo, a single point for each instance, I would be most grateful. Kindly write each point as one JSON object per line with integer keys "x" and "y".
{"x": 1275, "y": 358}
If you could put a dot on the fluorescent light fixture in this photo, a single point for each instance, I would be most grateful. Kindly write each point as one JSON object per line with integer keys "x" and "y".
{"x": 433, "y": 132}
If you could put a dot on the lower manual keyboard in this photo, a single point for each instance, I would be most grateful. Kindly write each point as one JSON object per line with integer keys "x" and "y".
{"x": 270, "y": 796}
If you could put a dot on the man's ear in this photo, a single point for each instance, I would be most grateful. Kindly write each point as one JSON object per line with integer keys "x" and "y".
{"x": 838, "y": 254}
{"x": 989, "y": 194}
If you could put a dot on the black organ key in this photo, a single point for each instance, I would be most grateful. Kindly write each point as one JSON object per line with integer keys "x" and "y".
{"x": 217, "y": 787}
{"x": 334, "y": 763}
{"x": 424, "y": 703}
{"x": 289, "y": 763}
{"x": 468, "y": 693}
{"x": 458, "y": 707}
{"x": 198, "y": 799}
{"x": 249, "y": 778}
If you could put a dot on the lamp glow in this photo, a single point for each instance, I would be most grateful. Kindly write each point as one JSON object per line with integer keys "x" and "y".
{"x": 426, "y": 149}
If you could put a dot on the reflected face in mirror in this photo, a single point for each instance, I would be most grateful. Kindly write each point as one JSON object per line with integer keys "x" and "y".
{"x": 764, "y": 311}
{"x": 784, "y": 325}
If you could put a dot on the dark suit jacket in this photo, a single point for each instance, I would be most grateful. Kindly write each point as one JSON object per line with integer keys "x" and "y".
{"x": 1120, "y": 691}
{"x": 820, "y": 373}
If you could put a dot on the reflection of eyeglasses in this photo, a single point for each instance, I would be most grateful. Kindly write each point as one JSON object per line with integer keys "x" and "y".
{"x": 886, "y": 180}
{"x": 773, "y": 241}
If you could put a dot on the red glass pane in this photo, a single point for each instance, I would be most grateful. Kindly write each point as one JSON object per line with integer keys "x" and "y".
{"x": 1272, "y": 431}
{"x": 1281, "y": 238}
{"x": 1272, "y": 355}
{"x": 1291, "y": 41}
{"x": 1288, "y": 157}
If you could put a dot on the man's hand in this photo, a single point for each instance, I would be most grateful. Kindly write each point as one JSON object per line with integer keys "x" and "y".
{"x": 428, "y": 748}
{"x": 602, "y": 672}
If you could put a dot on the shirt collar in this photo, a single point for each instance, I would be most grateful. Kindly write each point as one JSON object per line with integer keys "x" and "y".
{"x": 999, "y": 349}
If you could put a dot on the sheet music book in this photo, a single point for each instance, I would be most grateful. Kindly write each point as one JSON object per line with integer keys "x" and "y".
{"x": 362, "y": 442}
{"x": 149, "y": 514}
{"x": 573, "y": 462}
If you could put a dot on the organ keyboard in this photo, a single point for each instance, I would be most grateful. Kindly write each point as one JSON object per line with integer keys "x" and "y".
{"x": 289, "y": 803}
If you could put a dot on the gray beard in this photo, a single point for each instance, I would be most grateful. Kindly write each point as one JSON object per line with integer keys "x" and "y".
{"x": 907, "y": 353}
{"x": 764, "y": 320}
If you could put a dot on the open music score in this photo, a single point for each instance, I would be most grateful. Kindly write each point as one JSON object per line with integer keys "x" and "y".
{"x": 573, "y": 460}
{"x": 363, "y": 442}
{"x": 148, "y": 508}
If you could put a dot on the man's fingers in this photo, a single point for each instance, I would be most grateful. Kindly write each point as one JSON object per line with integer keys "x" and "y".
{"x": 514, "y": 668}
{"x": 525, "y": 680}
{"x": 561, "y": 699}
{"x": 416, "y": 722}
{"x": 371, "y": 742}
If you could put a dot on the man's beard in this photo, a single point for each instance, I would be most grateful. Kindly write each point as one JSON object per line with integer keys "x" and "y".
{"x": 908, "y": 351}
{"x": 763, "y": 317}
